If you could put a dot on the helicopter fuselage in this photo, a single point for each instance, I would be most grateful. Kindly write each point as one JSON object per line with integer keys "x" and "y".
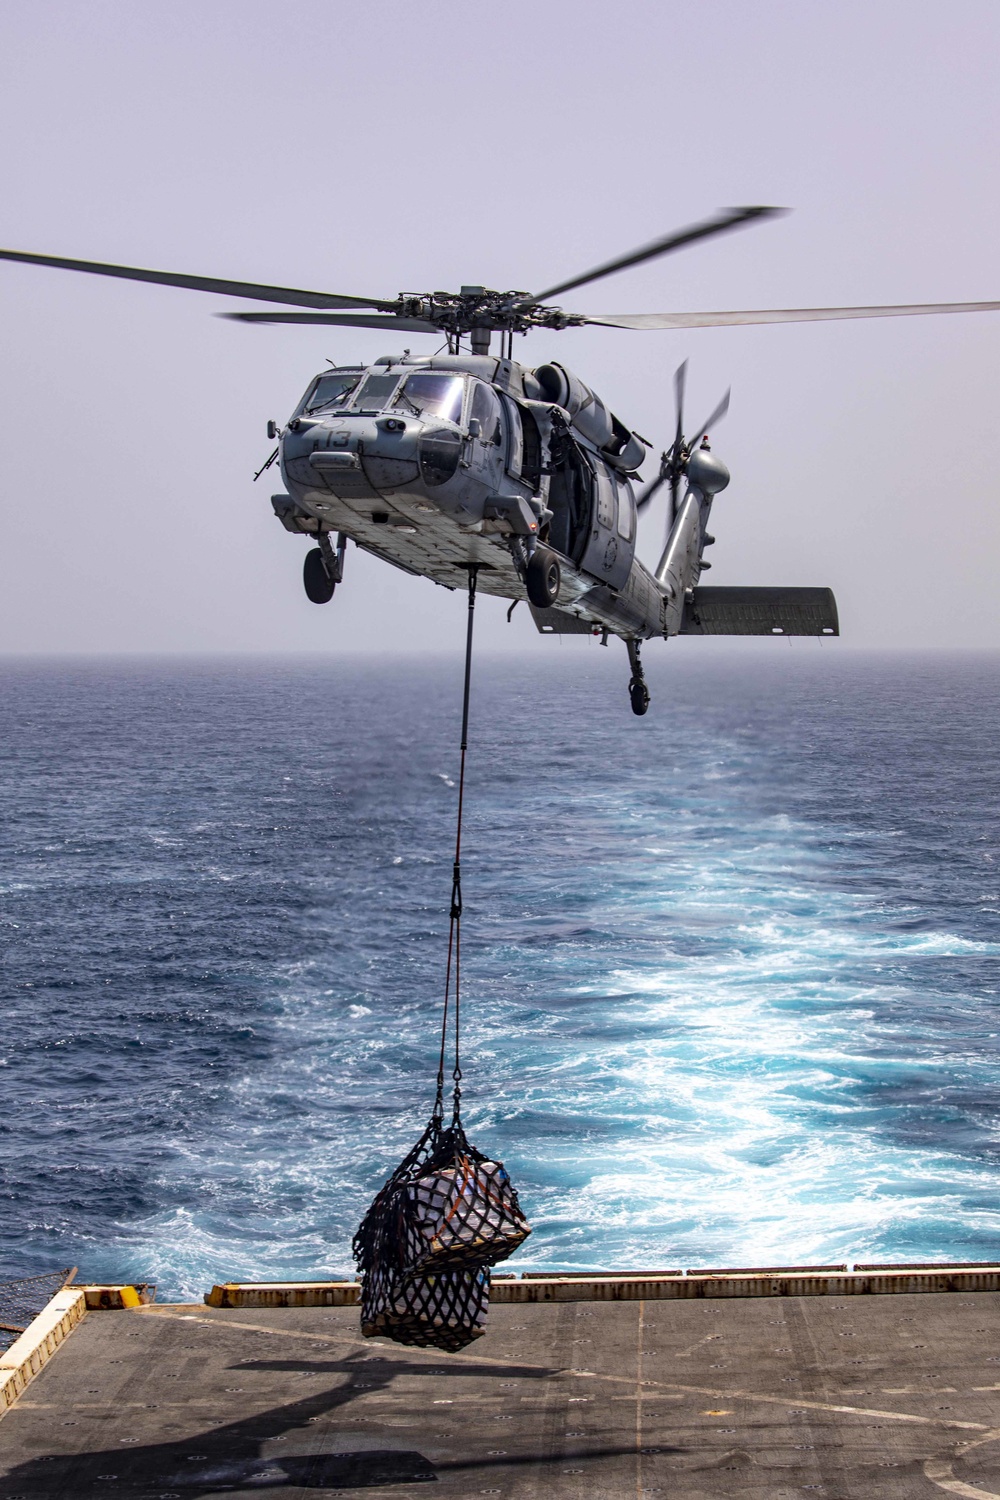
{"x": 439, "y": 464}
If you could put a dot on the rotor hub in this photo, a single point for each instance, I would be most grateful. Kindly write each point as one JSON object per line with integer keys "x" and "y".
{"x": 480, "y": 307}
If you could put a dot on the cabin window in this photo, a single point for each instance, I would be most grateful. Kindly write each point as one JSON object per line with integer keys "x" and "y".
{"x": 375, "y": 392}
{"x": 432, "y": 395}
{"x": 331, "y": 390}
{"x": 605, "y": 499}
{"x": 626, "y": 512}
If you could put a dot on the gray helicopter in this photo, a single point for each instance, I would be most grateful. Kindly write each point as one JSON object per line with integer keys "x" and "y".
{"x": 467, "y": 460}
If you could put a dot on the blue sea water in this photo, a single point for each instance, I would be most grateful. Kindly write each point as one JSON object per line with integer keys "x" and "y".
{"x": 732, "y": 972}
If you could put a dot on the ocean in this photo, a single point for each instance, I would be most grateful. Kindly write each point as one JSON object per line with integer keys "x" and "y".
{"x": 731, "y": 972}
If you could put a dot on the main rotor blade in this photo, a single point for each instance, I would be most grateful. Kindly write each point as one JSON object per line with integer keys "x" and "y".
{"x": 717, "y": 415}
{"x": 200, "y": 283}
{"x": 780, "y": 315}
{"x": 347, "y": 320}
{"x": 724, "y": 220}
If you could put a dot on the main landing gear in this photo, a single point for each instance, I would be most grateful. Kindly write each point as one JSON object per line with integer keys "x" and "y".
{"x": 323, "y": 568}
{"x": 542, "y": 578}
{"x": 637, "y": 690}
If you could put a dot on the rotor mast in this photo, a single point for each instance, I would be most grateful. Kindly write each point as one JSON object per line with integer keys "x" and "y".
{"x": 480, "y": 334}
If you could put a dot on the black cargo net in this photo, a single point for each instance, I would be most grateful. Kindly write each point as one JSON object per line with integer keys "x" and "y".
{"x": 24, "y": 1299}
{"x": 448, "y": 1212}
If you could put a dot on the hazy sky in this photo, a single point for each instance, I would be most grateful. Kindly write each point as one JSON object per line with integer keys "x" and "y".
{"x": 377, "y": 148}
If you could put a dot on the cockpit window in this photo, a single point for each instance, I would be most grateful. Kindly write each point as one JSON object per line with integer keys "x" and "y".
{"x": 331, "y": 390}
{"x": 374, "y": 394}
{"x": 433, "y": 395}
{"x": 486, "y": 410}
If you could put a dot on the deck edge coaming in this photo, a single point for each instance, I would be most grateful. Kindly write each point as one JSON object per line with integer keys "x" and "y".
{"x": 622, "y": 1287}
{"x": 33, "y": 1349}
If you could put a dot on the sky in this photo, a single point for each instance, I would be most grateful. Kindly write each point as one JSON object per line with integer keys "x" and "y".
{"x": 376, "y": 149}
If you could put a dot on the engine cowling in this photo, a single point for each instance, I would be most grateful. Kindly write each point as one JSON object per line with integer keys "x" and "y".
{"x": 590, "y": 416}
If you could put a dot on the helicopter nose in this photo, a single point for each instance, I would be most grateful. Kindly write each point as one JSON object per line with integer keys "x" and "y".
{"x": 352, "y": 456}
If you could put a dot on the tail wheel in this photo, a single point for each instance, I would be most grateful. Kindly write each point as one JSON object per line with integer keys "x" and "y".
{"x": 639, "y": 694}
{"x": 319, "y": 584}
{"x": 542, "y": 578}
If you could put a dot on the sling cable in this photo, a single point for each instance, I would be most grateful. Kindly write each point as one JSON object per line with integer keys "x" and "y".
{"x": 448, "y": 1212}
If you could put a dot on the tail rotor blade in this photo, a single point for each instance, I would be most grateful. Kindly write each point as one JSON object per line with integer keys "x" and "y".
{"x": 653, "y": 488}
{"x": 717, "y": 415}
{"x": 675, "y": 490}
{"x": 680, "y": 381}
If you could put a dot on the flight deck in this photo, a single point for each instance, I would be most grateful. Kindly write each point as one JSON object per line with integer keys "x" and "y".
{"x": 861, "y": 1384}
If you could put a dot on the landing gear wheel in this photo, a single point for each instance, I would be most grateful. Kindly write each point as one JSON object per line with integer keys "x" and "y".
{"x": 542, "y": 578}
{"x": 319, "y": 584}
{"x": 639, "y": 694}
{"x": 637, "y": 690}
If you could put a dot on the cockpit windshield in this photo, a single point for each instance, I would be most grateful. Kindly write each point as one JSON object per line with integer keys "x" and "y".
{"x": 332, "y": 389}
{"x": 433, "y": 395}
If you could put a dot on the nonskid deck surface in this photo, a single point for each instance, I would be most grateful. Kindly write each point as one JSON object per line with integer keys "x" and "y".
{"x": 841, "y": 1397}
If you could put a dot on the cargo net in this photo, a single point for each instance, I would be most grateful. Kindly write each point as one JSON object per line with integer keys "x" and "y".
{"x": 425, "y": 1246}
{"x": 22, "y": 1300}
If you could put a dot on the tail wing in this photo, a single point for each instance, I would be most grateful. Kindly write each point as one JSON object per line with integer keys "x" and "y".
{"x": 744, "y": 611}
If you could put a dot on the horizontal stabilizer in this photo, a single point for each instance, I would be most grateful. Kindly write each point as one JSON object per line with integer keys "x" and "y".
{"x": 716, "y": 611}
{"x": 558, "y": 622}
